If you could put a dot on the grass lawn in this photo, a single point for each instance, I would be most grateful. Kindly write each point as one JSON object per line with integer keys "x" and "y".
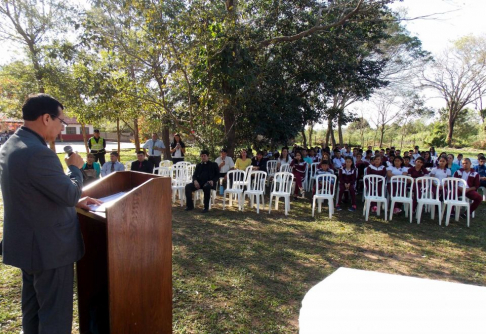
{"x": 239, "y": 272}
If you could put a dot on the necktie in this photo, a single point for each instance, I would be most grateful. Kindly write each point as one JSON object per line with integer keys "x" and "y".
{"x": 112, "y": 166}
{"x": 153, "y": 146}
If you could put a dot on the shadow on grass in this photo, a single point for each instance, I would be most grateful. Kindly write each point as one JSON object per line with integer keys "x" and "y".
{"x": 243, "y": 272}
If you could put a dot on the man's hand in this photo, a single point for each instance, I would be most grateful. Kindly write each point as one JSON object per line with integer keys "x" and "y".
{"x": 211, "y": 183}
{"x": 74, "y": 160}
{"x": 84, "y": 202}
{"x": 196, "y": 184}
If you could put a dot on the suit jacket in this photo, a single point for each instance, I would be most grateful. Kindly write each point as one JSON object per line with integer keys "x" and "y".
{"x": 213, "y": 173}
{"x": 41, "y": 229}
{"x": 147, "y": 166}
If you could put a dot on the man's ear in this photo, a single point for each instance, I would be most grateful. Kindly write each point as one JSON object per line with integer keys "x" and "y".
{"x": 46, "y": 118}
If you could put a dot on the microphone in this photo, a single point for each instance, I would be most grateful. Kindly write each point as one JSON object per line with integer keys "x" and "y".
{"x": 68, "y": 150}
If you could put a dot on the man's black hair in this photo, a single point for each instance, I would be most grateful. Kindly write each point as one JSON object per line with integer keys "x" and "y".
{"x": 140, "y": 152}
{"x": 38, "y": 105}
{"x": 204, "y": 152}
{"x": 115, "y": 154}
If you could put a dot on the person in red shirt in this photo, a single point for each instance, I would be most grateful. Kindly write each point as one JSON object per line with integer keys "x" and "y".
{"x": 415, "y": 172}
{"x": 376, "y": 169}
{"x": 347, "y": 180}
{"x": 472, "y": 178}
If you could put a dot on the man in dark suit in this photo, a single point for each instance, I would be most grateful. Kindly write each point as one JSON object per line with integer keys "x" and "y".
{"x": 259, "y": 162}
{"x": 205, "y": 177}
{"x": 141, "y": 164}
{"x": 41, "y": 234}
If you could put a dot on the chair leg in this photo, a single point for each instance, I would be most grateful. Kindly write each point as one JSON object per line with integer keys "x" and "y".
{"x": 409, "y": 208}
{"x": 367, "y": 209}
{"x": 391, "y": 211}
{"x": 313, "y": 205}
{"x": 224, "y": 200}
{"x": 287, "y": 201}
{"x": 468, "y": 215}
{"x": 258, "y": 203}
{"x": 386, "y": 210}
{"x": 449, "y": 209}
{"x": 419, "y": 212}
{"x": 270, "y": 204}
{"x": 432, "y": 212}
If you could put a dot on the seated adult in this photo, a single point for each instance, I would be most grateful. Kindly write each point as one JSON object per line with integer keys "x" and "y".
{"x": 113, "y": 166}
{"x": 243, "y": 161}
{"x": 205, "y": 177}
{"x": 91, "y": 169}
{"x": 224, "y": 163}
{"x": 472, "y": 179}
{"x": 259, "y": 162}
{"x": 141, "y": 164}
{"x": 481, "y": 170}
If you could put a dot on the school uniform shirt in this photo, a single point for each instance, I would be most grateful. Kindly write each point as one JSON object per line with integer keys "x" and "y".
{"x": 338, "y": 162}
{"x": 347, "y": 175}
{"x": 320, "y": 171}
{"x": 471, "y": 177}
{"x": 298, "y": 167}
{"x": 441, "y": 173}
{"x": 415, "y": 156}
{"x": 414, "y": 173}
{"x": 373, "y": 170}
{"x": 284, "y": 161}
{"x": 397, "y": 171}
{"x": 481, "y": 170}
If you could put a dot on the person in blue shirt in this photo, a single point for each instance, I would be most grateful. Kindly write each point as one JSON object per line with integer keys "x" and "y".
{"x": 481, "y": 170}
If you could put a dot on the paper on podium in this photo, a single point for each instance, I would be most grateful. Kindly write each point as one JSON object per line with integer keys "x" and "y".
{"x": 106, "y": 200}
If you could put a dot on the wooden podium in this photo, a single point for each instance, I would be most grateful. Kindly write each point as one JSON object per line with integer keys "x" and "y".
{"x": 125, "y": 276}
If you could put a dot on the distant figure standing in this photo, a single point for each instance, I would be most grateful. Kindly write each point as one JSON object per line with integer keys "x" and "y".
{"x": 155, "y": 147}
{"x": 97, "y": 146}
{"x": 177, "y": 149}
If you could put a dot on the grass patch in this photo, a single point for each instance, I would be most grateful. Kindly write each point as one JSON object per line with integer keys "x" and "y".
{"x": 239, "y": 272}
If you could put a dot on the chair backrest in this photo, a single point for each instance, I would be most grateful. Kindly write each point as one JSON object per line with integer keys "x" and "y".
{"x": 257, "y": 181}
{"x": 183, "y": 163}
{"x": 313, "y": 168}
{"x": 165, "y": 171}
{"x": 424, "y": 187}
{"x": 236, "y": 179}
{"x": 128, "y": 165}
{"x": 190, "y": 171}
{"x": 248, "y": 172}
{"x": 399, "y": 186}
{"x": 179, "y": 174}
{"x": 372, "y": 184}
{"x": 285, "y": 168}
{"x": 165, "y": 163}
{"x": 326, "y": 184}
{"x": 272, "y": 167}
{"x": 282, "y": 182}
{"x": 451, "y": 189}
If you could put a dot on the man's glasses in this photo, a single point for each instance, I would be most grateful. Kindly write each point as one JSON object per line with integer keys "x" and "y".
{"x": 60, "y": 119}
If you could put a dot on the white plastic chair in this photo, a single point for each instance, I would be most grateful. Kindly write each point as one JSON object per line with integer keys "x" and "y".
{"x": 483, "y": 191}
{"x": 128, "y": 165}
{"x": 305, "y": 181}
{"x": 455, "y": 197}
{"x": 256, "y": 188}
{"x": 312, "y": 176}
{"x": 372, "y": 184}
{"x": 190, "y": 172}
{"x": 179, "y": 181}
{"x": 271, "y": 167}
{"x": 248, "y": 172}
{"x": 325, "y": 190}
{"x": 285, "y": 168}
{"x": 235, "y": 187}
{"x": 165, "y": 171}
{"x": 426, "y": 196}
{"x": 281, "y": 187}
{"x": 400, "y": 193}
{"x": 199, "y": 195}
{"x": 165, "y": 163}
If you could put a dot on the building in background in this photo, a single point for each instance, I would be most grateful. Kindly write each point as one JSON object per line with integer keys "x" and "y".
{"x": 73, "y": 131}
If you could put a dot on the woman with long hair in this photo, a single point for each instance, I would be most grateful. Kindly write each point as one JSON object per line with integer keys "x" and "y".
{"x": 284, "y": 157}
{"x": 415, "y": 172}
{"x": 376, "y": 168}
{"x": 177, "y": 149}
{"x": 298, "y": 169}
{"x": 243, "y": 161}
{"x": 428, "y": 162}
{"x": 451, "y": 165}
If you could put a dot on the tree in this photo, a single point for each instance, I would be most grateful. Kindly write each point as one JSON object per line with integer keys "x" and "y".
{"x": 459, "y": 76}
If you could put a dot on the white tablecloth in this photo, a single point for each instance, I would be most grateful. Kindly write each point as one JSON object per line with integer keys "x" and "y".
{"x": 357, "y": 301}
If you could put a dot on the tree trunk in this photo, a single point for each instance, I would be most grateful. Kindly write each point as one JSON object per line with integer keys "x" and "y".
{"x": 382, "y": 130}
{"x": 230, "y": 130}
{"x": 340, "y": 133}
{"x": 136, "y": 134}
{"x": 85, "y": 138}
{"x": 118, "y": 136}
{"x": 304, "y": 138}
{"x": 333, "y": 139}
{"x": 329, "y": 129}
{"x": 450, "y": 132}
{"x": 166, "y": 140}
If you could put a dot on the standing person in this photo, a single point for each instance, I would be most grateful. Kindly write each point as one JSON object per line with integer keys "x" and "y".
{"x": 205, "y": 177}
{"x": 472, "y": 179}
{"x": 91, "y": 169}
{"x": 141, "y": 164}
{"x": 113, "y": 166}
{"x": 41, "y": 233}
{"x": 177, "y": 149}
{"x": 298, "y": 169}
{"x": 155, "y": 147}
{"x": 97, "y": 146}
{"x": 347, "y": 181}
